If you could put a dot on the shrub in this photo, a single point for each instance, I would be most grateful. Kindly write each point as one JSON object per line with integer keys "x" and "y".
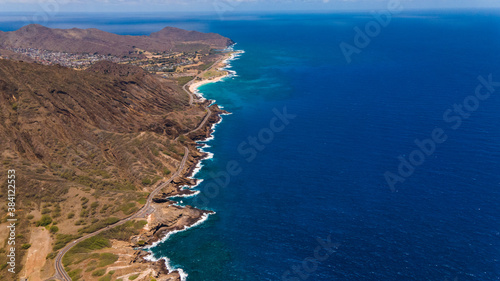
{"x": 98, "y": 225}
{"x": 71, "y": 215}
{"x": 51, "y": 256}
{"x": 44, "y": 221}
{"x": 99, "y": 272}
{"x": 133, "y": 277}
{"x": 92, "y": 243}
{"x": 105, "y": 278}
{"x": 106, "y": 259}
{"x": 128, "y": 208}
{"x": 91, "y": 266}
{"x": 62, "y": 240}
{"x": 81, "y": 250}
{"x": 26, "y": 246}
{"x": 54, "y": 229}
{"x": 75, "y": 274}
{"x": 122, "y": 232}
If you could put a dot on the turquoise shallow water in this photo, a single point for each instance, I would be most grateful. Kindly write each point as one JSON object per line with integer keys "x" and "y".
{"x": 321, "y": 176}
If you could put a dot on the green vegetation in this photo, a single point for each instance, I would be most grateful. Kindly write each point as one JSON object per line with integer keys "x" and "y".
{"x": 104, "y": 208}
{"x": 212, "y": 73}
{"x": 92, "y": 243}
{"x": 99, "y": 272}
{"x": 81, "y": 250}
{"x": 124, "y": 231}
{"x": 54, "y": 229}
{"x": 205, "y": 66}
{"x": 106, "y": 259}
{"x": 105, "y": 278}
{"x": 97, "y": 183}
{"x": 26, "y": 246}
{"x": 75, "y": 274}
{"x": 98, "y": 225}
{"x": 184, "y": 80}
{"x": 80, "y": 222}
{"x": 57, "y": 211}
{"x": 146, "y": 181}
{"x": 62, "y": 240}
{"x": 71, "y": 215}
{"x": 155, "y": 151}
{"x": 91, "y": 266}
{"x": 128, "y": 208}
{"x": 44, "y": 221}
{"x": 133, "y": 277}
{"x": 51, "y": 256}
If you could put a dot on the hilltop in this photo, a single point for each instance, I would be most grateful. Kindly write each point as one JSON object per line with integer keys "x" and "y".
{"x": 75, "y": 40}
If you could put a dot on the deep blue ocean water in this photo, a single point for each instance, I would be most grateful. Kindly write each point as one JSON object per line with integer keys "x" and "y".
{"x": 321, "y": 177}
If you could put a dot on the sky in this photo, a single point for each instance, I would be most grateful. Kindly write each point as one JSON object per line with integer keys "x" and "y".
{"x": 56, "y": 6}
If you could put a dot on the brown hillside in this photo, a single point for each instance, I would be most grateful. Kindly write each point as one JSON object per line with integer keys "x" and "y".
{"x": 86, "y": 143}
{"x": 92, "y": 40}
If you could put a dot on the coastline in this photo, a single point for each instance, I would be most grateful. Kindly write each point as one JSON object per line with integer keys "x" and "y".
{"x": 222, "y": 65}
{"x": 184, "y": 186}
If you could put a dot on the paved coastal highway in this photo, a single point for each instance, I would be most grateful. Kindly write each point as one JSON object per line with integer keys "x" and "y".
{"x": 61, "y": 274}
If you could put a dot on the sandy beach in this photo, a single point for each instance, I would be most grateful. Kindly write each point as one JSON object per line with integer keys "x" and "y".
{"x": 193, "y": 87}
{"x": 220, "y": 65}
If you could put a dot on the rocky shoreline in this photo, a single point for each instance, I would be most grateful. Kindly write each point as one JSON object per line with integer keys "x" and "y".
{"x": 168, "y": 217}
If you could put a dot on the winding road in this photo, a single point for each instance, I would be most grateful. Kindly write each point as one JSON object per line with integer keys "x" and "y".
{"x": 61, "y": 273}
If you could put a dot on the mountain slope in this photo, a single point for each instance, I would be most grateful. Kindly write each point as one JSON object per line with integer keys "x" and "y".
{"x": 87, "y": 146}
{"x": 92, "y": 40}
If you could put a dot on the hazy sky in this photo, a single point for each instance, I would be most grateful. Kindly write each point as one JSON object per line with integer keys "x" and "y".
{"x": 230, "y": 5}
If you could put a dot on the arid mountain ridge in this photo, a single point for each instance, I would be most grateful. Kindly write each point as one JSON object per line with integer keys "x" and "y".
{"x": 93, "y": 40}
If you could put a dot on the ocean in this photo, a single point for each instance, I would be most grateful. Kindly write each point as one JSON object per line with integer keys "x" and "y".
{"x": 382, "y": 164}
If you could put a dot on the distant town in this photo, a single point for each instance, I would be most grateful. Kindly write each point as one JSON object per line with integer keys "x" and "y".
{"x": 169, "y": 64}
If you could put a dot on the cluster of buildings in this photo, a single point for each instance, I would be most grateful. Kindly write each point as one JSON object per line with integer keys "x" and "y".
{"x": 158, "y": 63}
{"x": 65, "y": 59}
